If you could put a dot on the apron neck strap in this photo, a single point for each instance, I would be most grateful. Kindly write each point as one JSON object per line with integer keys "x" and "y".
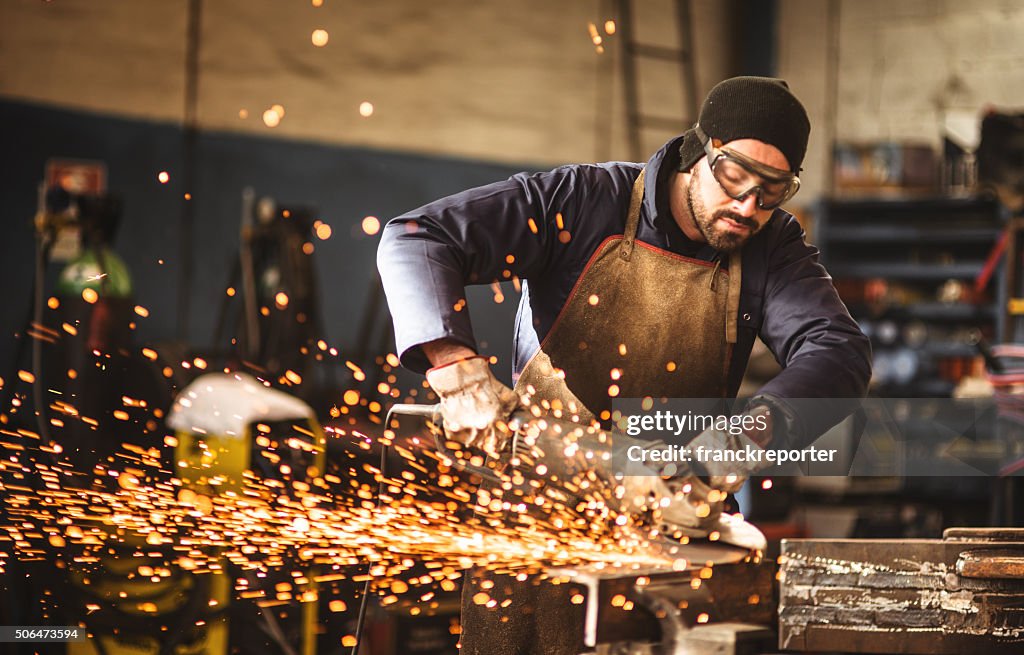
{"x": 732, "y": 296}
{"x": 633, "y": 217}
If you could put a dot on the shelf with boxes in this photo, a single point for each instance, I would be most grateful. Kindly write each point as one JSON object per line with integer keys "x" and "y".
{"x": 917, "y": 275}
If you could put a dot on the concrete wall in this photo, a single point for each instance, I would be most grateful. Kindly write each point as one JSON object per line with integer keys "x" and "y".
{"x": 482, "y": 79}
{"x": 509, "y": 83}
{"x": 898, "y": 71}
{"x": 465, "y": 92}
{"x": 518, "y": 85}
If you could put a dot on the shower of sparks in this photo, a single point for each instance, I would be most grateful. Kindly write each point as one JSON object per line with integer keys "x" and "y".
{"x": 411, "y": 529}
{"x": 163, "y": 177}
{"x": 320, "y": 38}
{"x": 366, "y": 109}
{"x": 428, "y": 516}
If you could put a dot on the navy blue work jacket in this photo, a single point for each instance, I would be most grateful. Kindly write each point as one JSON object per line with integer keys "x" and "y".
{"x": 544, "y": 227}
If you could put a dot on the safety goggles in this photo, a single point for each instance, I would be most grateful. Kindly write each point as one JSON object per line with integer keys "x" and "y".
{"x": 740, "y": 176}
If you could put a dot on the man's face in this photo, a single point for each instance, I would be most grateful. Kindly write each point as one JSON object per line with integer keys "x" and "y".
{"x": 707, "y": 214}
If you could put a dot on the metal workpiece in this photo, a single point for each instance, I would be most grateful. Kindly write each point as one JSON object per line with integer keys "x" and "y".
{"x": 724, "y": 608}
{"x": 962, "y": 593}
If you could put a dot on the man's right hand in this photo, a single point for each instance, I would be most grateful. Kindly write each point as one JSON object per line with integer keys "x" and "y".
{"x": 475, "y": 405}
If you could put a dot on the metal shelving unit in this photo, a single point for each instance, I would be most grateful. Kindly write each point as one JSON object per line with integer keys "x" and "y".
{"x": 907, "y": 269}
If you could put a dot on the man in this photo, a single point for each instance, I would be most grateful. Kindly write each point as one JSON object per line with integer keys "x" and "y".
{"x": 639, "y": 280}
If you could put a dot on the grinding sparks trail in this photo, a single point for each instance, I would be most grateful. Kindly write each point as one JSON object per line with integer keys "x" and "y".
{"x": 135, "y": 507}
{"x": 264, "y": 524}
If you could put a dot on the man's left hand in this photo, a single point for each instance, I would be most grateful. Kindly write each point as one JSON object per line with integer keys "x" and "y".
{"x": 729, "y": 476}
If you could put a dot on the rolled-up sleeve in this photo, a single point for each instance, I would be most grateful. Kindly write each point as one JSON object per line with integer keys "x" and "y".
{"x": 825, "y": 356}
{"x": 426, "y": 257}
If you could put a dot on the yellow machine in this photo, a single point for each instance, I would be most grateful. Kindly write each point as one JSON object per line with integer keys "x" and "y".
{"x": 226, "y": 425}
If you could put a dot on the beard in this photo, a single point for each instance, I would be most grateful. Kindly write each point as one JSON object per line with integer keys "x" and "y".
{"x": 718, "y": 238}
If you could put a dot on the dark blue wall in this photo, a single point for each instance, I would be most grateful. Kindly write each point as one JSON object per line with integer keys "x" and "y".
{"x": 346, "y": 184}
{"x": 758, "y": 30}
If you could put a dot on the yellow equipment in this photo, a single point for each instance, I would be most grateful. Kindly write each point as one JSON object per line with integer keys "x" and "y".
{"x": 225, "y": 425}
{"x": 228, "y": 424}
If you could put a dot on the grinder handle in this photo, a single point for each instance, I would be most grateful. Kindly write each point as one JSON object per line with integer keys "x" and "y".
{"x": 433, "y": 414}
{"x": 425, "y": 411}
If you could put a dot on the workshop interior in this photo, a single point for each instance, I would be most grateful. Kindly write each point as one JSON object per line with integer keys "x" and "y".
{"x": 209, "y": 444}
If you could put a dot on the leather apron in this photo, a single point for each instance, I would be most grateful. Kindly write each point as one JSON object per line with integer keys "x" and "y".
{"x": 650, "y": 322}
{"x": 640, "y": 321}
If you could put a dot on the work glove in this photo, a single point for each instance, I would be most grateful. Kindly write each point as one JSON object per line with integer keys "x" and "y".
{"x": 729, "y": 476}
{"x": 683, "y": 505}
{"x": 670, "y": 498}
{"x": 682, "y": 502}
{"x": 475, "y": 406}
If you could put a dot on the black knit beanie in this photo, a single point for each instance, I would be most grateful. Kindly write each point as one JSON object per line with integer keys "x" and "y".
{"x": 761, "y": 108}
